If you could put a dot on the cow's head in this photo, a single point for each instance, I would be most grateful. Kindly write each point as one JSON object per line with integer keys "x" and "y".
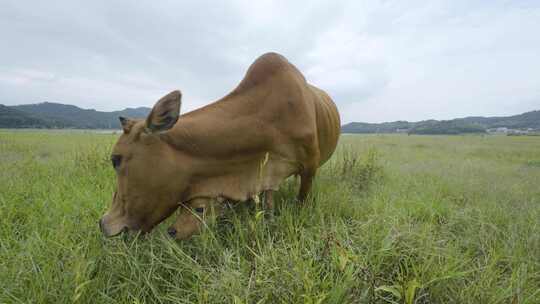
{"x": 145, "y": 166}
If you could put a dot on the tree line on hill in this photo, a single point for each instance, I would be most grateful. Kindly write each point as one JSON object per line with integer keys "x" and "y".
{"x": 59, "y": 116}
{"x": 526, "y": 121}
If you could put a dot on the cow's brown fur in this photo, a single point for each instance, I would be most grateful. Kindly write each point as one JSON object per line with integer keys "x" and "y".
{"x": 272, "y": 126}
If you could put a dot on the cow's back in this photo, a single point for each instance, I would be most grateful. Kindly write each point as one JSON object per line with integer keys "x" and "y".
{"x": 328, "y": 124}
{"x": 308, "y": 116}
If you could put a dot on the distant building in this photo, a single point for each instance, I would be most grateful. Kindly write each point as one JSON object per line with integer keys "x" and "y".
{"x": 508, "y": 131}
{"x": 517, "y": 132}
{"x": 500, "y": 130}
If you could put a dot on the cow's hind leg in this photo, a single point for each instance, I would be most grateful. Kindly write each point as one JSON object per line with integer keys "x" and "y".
{"x": 269, "y": 202}
{"x": 306, "y": 180}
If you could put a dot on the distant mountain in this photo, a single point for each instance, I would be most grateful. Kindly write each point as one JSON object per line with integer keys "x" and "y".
{"x": 528, "y": 120}
{"x": 10, "y": 118}
{"x": 385, "y": 127}
{"x": 56, "y": 115}
{"x": 521, "y": 121}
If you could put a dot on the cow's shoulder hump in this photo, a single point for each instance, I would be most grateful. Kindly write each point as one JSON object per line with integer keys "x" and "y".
{"x": 263, "y": 68}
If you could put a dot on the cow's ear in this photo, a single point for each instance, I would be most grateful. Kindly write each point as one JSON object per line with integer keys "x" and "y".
{"x": 165, "y": 113}
{"x": 126, "y": 123}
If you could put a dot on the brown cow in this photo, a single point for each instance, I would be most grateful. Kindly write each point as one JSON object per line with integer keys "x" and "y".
{"x": 272, "y": 126}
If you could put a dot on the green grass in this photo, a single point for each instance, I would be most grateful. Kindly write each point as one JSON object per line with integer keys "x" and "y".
{"x": 392, "y": 219}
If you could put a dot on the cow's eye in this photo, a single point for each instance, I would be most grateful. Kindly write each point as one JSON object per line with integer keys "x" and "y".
{"x": 116, "y": 160}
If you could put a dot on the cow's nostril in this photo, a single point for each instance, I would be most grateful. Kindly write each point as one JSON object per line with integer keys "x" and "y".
{"x": 171, "y": 231}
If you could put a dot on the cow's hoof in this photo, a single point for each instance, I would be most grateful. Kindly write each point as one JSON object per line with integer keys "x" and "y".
{"x": 172, "y": 232}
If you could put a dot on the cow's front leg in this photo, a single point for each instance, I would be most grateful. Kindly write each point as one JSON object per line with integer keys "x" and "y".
{"x": 191, "y": 218}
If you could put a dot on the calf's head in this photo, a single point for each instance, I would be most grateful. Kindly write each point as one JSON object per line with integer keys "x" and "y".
{"x": 146, "y": 167}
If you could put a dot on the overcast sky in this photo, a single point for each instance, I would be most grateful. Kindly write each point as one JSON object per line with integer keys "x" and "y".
{"x": 379, "y": 60}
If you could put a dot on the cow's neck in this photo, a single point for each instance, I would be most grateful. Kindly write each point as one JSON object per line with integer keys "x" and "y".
{"x": 211, "y": 130}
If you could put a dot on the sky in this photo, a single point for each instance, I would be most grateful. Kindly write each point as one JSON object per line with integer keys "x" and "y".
{"x": 379, "y": 60}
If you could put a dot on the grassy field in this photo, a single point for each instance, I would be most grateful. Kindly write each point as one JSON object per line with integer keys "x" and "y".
{"x": 392, "y": 219}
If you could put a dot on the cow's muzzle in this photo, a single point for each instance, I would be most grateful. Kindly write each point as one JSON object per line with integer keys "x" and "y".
{"x": 111, "y": 230}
